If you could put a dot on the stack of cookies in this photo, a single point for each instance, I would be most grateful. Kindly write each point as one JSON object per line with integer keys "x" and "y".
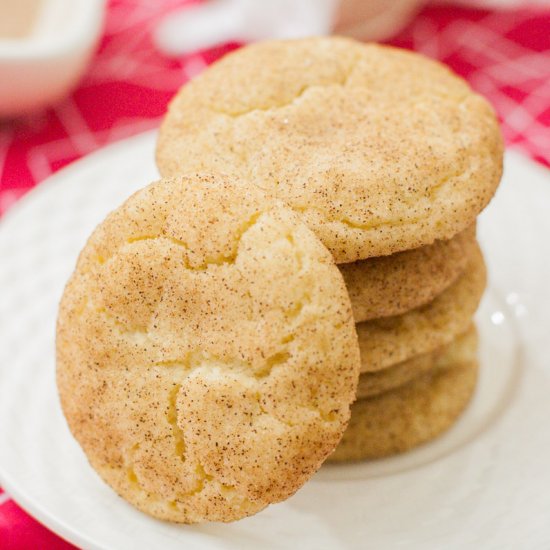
{"x": 315, "y": 220}
{"x": 418, "y": 344}
{"x": 389, "y": 158}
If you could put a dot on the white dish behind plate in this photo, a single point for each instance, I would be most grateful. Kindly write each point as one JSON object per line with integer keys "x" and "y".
{"x": 38, "y": 69}
{"x": 483, "y": 484}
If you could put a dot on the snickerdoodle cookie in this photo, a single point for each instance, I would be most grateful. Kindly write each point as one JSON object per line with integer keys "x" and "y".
{"x": 391, "y": 340}
{"x": 207, "y": 355}
{"x": 396, "y": 421}
{"x": 381, "y": 150}
{"x": 375, "y": 383}
{"x": 392, "y": 285}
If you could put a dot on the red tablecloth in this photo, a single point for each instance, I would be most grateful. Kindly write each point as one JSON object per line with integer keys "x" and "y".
{"x": 504, "y": 55}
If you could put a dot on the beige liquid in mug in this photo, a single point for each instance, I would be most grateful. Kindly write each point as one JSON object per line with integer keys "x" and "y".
{"x": 17, "y": 17}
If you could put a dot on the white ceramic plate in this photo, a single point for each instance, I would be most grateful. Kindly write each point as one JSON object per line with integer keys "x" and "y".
{"x": 485, "y": 484}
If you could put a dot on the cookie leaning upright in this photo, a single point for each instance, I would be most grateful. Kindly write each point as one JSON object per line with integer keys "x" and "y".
{"x": 380, "y": 149}
{"x": 206, "y": 350}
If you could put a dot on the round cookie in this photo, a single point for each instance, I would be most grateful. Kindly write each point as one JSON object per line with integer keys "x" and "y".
{"x": 391, "y": 340}
{"x": 206, "y": 351}
{"x": 398, "y": 420}
{"x": 375, "y": 383}
{"x": 392, "y": 285}
{"x": 382, "y": 150}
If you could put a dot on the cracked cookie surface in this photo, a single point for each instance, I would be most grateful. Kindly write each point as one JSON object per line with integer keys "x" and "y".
{"x": 392, "y": 285}
{"x": 206, "y": 351}
{"x": 380, "y": 149}
{"x": 391, "y": 340}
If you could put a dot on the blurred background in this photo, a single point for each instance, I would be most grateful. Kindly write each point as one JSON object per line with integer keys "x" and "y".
{"x": 78, "y": 74}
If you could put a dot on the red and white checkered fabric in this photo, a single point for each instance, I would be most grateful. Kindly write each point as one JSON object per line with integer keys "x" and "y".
{"x": 504, "y": 55}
